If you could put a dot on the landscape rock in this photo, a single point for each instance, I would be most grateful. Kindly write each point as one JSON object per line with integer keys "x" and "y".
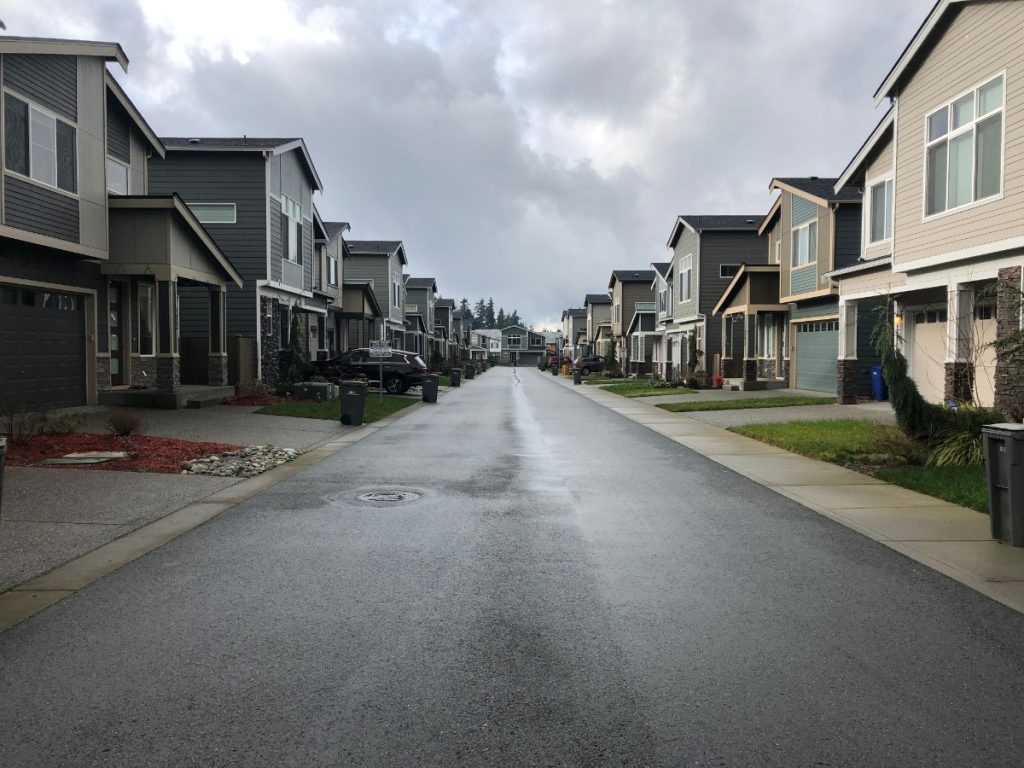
{"x": 247, "y": 462}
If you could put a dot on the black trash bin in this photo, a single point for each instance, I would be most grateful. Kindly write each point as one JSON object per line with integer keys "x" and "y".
{"x": 577, "y": 377}
{"x": 470, "y": 372}
{"x": 455, "y": 374}
{"x": 429, "y": 387}
{"x": 3, "y": 455}
{"x": 353, "y": 402}
{"x": 1004, "y": 470}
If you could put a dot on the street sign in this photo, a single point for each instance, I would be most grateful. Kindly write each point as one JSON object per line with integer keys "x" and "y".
{"x": 380, "y": 349}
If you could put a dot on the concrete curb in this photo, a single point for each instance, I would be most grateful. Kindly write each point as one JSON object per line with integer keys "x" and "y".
{"x": 40, "y": 592}
{"x": 944, "y": 537}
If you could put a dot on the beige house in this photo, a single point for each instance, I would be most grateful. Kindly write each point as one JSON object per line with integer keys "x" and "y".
{"x": 943, "y": 203}
{"x": 599, "y": 323}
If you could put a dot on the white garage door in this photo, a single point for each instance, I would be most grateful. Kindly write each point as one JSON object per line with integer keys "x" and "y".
{"x": 928, "y": 354}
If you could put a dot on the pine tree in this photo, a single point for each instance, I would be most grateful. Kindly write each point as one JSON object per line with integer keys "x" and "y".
{"x": 464, "y": 305}
{"x": 480, "y": 314}
{"x": 514, "y": 318}
{"x": 502, "y": 321}
{"x": 491, "y": 321}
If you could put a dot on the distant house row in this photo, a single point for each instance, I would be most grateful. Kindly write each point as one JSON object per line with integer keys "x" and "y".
{"x": 922, "y": 234}
{"x": 134, "y": 261}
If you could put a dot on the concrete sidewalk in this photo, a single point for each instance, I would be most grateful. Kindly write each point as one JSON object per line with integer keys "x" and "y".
{"x": 945, "y": 537}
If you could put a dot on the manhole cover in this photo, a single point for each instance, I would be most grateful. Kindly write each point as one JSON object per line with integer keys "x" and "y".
{"x": 388, "y": 497}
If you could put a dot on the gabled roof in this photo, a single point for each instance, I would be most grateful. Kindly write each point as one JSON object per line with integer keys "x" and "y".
{"x": 462, "y": 314}
{"x": 319, "y": 231}
{"x": 427, "y": 283}
{"x": 705, "y": 223}
{"x": 881, "y": 132}
{"x": 597, "y": 298}
{"x": 741, "y": 276}
{"x": 574, "y": 312}
{"x": 821, "y": 190}
{"x": 275, "y": 146}
{"x": 770, "y": 216}
{"x": 377, "y": 248}
{"x": 62, "y": 47}
{"x": 514, "y": 327}
{"x": 662, "y": 267}
{"x": 134, "y": 115}
{"x": 450, "y": 303}
{"x": 367, "y": 289}
{"x": 920, "y": 44}
{"x": 335, "y": 228}
{"x": 630, "y": 276}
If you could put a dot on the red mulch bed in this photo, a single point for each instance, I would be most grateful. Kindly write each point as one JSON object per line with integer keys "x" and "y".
{"x": 252, "y": 400}
{"x": 154, "y": 454}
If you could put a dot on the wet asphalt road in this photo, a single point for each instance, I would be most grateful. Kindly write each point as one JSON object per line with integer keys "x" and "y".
{"x": 570, "y": 589}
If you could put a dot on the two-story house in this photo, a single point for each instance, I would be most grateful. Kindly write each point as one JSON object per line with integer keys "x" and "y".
{"x": 521, "y": 346}
{"x": 420, "y": 304}
{"x": 944, "y": 192}
{"x": 707, "y": 251}
{"x": 255, "y": 198}
{"x": 91, "y": 262}
{"x": 574, "y": 328}
{"x": 626, "y": 288}
{"x": 443, "y": 334}
{"x": 811, "y": 229}
{"x": 663, "y": 288}
{"x": 324, "y": 329}
{"x": 378, "y": 264}
{"x": 599, "y": 323}
{"x": 462, "y": 326}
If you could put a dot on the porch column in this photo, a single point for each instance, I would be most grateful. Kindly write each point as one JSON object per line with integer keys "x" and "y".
{"x": 959, "y": 379}
{"x": 846, "y": 365}
{"x": 726, "y": 371}
{"x": 218, "y": 358}
{"x": 1009, "y": 394}
{"x": 750, "y": 349}
{"x": 168, "y": 364}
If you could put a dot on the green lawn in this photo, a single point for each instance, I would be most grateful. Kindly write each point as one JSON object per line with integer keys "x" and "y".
{"x": 842, "y": 441}
{"x": 644, "y": 389}
{"x": 444, "y": 380}
{"x": 965, "y": 486}
{"x": 376, "y": 408}
{"x": 738, "y": 405}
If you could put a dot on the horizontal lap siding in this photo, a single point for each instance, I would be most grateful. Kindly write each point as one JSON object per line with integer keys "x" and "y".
{"x": 868, "y": 314}
{"x": 803, "y": 280}
{"x": 194, "y": 309}
{"x": 307, "y": 256}
{"x": 982, "y": 40}
{"x": 238, "y": 178}
{"x": 51, "y": 81}
{"x": 803, "y": 211}
{"x": 689, "y": 243}
{"x": 716, "y": 249}
{"x": 276, "y": 241}
{"x": 848, "y": 228}
{"x": 36, "y": 209}
{"x": 375, "y": 270}
{"x": 118, "y": 141}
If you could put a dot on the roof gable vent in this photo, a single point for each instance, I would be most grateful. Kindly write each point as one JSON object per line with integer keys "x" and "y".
{"x": 193, "y": 141}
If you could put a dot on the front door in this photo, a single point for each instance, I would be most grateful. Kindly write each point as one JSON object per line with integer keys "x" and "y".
{"x": 115, "y": 301}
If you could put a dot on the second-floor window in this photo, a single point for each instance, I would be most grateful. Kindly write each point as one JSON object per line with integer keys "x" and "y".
{"x": 214, "y": 213}
{"x": 728, "y": 271}
{"x": 618, "y": 313}
{"x": 39, "y": 145}
{"x": 515, "y": 341}
{"x": 964, "y": 140}
{"x": 686, "y": 278}
{"x": 291, "y": 229}
{"x": 117, "y": 177}
{"x": 777, "y": 247}
{"x": 332, "y": 271}
{"x": 880, "y": 211}
{"x": 805, "y": 244}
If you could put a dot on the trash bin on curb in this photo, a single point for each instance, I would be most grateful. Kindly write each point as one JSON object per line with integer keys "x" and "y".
{"x": 879, "y": 389}
{"x": 470, "y": 372}
{"x": 554, "y": 369}
{"x": 577, "y": 377}
{"x": 353, "y": 402}
{"x": 3, "y": 455}
{"x": 429, "y": 387}
{"x": 455, "y": 374}
{"x": 1004, "y": 470}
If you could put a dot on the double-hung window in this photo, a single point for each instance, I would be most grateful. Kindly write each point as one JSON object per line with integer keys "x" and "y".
{"x": 777, "y": 250}
{"x": 40, "y": 145}
{"x": 686, "y": 277}
{"x": 767, "y": 336}
{"x": 291, "y": 229}
{"x": 147, "y": 317}
{"x": 964, "y": 149}
{"x": 805, "y": 244}
{"x": 332, "y": 270}
{"x": 880, "y": 211}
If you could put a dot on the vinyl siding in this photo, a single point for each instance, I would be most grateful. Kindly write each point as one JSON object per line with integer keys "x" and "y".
{"x": 276, "y": 243}
{"x": 878, "y": 168}
{"x": 826, "y": 307}
{"x": 982, "y": 40}
{"x": 375, "y": 270}
{"x": 43, "y": 211}
{"x": 803, "y": 281}
{"x": 688, "y": 243}
{"x": 813, "y": 281}
{"x": 238, "y": 178}
{"x": 118, "y": 131}
{"x": 803, "y": 211}
{"x": 307, "y": 255}
{"x": 847, "y": 219}
{"x": 867, "y": 317}
{"x": 716, "y": 249}
{"x": 51, "y": 81}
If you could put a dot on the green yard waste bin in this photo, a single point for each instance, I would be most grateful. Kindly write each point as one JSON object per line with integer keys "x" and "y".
{"x": 1004, "y": 470}
{"x": 353, "y": 402}
{"x": 429, "y": 388}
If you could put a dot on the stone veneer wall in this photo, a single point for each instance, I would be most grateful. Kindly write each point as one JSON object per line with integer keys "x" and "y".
{"x": 102, "y": 372}
{"x": 270, "y": 335}
{"x": 168, "y": 372}
{"x": 1009, "y": 396}
{"x": 727, "y": 368}
{"x": 766, "y": 368}
{"x": 142, "y": 365}
{"x": 846, "y": 380}
{"x": 750, "y": 370}
{"x": 785, "y": 371}
{"x": 959, "y": 382}
{"x": 217, "y": 367}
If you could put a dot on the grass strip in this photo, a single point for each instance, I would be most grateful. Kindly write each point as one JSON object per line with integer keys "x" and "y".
{"x": 965, "y": 486}
{"x": 376, "y": 408}
{"x": 744, "y": 404}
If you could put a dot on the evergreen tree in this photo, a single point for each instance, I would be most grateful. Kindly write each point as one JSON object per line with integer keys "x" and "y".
{"x": 490, "y": 320}
{"x": 296, "y": 370}
{"x": 480, "y": 314}
{"x": 514, "y": 318}
{"x": 464, "y": 305}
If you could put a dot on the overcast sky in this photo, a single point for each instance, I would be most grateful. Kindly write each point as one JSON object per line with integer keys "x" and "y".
{"x": 521, "y": 150}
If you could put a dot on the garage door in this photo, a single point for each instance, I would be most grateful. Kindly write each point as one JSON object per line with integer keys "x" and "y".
{"x": 42, "y": 348}
{"x": 928, "y": 354}
{"x": 817, "y": 348}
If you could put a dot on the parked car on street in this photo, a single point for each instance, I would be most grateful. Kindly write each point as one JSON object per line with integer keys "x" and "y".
{"x": 401, "y": 371}
{"x": 588, "y": 364}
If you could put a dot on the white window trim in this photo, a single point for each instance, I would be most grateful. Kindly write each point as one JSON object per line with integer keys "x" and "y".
{"x": 289, "y": 208}
{"x": 332, "y": 266}
{"x": 812, "y": 258}
{"x": 50, "y": 113}
{"x": 948, "y": 104}
{"x": 735, "y": 267}
{"x": 127, "y": 176}
{"x": 153, "y": 320}
{"x": 234, "y": 212}
{"x": 776, "y": 255}
{"x": 868, "y": 186}
{"x": 686, "y": 267}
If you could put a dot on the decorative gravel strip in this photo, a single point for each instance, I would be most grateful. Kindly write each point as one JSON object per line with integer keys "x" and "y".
{"x": 247, "y": 462}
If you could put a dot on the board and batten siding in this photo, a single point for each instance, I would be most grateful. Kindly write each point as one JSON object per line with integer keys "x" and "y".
{"x": 880, "y": 167}
{"x": 981, "y": 41}
{"x": 718, "y": 248}
{"x": 226, "y": 177}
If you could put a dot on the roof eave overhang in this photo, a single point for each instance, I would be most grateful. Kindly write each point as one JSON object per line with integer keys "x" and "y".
{"x": 770, "y": 216}
{"x": 39, "y": 45}
{"x": 115, "y": 88}
{"x": 883, "y": 129}
{"x": 913, "y": 49}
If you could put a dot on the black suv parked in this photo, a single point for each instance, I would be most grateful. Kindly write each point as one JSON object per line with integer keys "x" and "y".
{"x": 401, "y": 371}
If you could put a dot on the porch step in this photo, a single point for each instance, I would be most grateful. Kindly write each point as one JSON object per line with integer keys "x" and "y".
{"x": 203, "y": 402}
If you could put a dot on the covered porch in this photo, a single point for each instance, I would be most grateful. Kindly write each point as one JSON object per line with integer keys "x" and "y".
{"x": 755, "y": 330}
{"x": 158, "y": 250}
{"x": 359, "y": 320}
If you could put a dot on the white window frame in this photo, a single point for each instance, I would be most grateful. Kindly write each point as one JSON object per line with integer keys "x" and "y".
{"x": 888, "y": 185}
{"x": 293, "y": 241}
{"x": 777, "y": 253}
{"x": 518, "y": 344}
{"x": 54, "y": 117}
{"x": 332, "y": 271}
{"x": 766, "y": 336}
{"x": 812, "y": 258}
{"x": 970, "y": 126}
{"x": 686, "y": 270}
{"x": 151, "y": 290}
{"x": 198, "y": 207}
{"x": 735, "y": 268}
{"x": 127, "y": 176}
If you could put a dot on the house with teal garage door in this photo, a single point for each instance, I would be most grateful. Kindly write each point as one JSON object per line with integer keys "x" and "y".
{"x": 812, "y": 228}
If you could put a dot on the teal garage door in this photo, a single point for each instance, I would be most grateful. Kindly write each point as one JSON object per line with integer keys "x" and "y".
{"x": 817, "y": 347}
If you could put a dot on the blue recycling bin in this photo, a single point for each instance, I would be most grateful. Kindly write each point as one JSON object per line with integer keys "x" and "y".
{"x": 879, "y": 389}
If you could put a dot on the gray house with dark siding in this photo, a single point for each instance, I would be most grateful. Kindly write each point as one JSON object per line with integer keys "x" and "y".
{"x": 379, "y": 264}
{"x": 91, "y": 264}
{"x": 707, "y": 251}
{"x": 255, "y": 198}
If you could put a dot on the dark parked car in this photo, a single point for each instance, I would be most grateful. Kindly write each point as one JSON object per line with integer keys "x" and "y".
{"x": 401, "y": 371}
{"x": 588, "y": 364}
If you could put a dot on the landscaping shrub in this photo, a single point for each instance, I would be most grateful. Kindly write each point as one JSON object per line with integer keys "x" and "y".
{"x": 692, "y": 382}
{"x": 17, "y": 423}
{"x": 61, "y": 423}
{"x": 959, "y": 442}
{"x": 901, "y": 448}
{"x": 124, "y": 423}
